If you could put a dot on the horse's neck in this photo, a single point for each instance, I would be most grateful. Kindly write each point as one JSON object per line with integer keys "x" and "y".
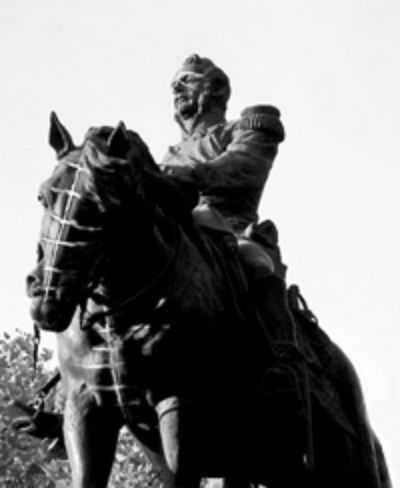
{"x": 138, "y": 256}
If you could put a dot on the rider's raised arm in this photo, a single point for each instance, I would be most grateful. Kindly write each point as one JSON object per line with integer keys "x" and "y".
{"x": 249, "y": 149}
{"x": 249, "y": 156}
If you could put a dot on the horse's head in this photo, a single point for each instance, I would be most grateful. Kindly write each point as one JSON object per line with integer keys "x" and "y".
{"x": 79, "y": 200}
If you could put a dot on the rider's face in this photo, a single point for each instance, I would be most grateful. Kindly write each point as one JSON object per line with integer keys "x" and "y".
{"x": 187, "y": 88}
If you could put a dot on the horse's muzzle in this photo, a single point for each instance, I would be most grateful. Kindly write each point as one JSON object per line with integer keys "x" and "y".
{"x": 51, "y": 313}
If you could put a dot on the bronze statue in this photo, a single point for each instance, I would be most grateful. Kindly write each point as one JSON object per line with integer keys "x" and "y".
{"x": 154, "y": 315}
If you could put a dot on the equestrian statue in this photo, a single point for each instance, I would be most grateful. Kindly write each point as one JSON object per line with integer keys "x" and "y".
{"x": 172, "y": 313}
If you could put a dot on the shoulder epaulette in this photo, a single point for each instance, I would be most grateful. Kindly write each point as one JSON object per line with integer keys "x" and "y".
{"x": 262, "y": 117}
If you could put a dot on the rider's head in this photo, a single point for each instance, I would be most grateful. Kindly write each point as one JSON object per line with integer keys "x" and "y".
{"x": 198, "y": 85}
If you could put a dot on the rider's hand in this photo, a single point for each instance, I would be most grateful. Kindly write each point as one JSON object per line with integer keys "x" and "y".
{"x": 182, "y": 174}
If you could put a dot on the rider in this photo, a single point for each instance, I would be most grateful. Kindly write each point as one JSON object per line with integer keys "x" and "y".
{"x": 228, "y": 163}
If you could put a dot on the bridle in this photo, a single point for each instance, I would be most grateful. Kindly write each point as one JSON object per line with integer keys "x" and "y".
{"x": 151, "y": 290}
{"x": 64, "y": 222}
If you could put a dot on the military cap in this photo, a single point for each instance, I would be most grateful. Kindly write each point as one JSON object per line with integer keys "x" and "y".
{"x": 204, "y": 67}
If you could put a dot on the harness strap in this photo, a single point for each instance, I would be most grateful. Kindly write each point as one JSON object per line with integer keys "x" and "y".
{"x": 299, "y": 304}
{"x": 51, "y": 383}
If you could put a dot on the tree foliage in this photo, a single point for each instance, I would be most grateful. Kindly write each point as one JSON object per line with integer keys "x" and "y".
{"x": 26, "y": 462}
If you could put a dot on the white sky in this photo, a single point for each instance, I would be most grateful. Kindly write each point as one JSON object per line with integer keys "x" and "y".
{"x": 333, "y": 68}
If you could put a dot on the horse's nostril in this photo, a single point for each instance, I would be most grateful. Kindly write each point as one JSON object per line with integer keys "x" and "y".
{"x": 32, "y": 282}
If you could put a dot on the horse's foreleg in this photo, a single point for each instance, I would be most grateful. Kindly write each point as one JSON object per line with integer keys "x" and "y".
{"x": 178, "y": 442}
{"x": 186, "y": 463}
{"x": 91, "y": 435}
{"x": 228, "y": 483}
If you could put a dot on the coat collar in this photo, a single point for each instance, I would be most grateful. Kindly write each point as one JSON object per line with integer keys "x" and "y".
{"x": 200, "y": 123}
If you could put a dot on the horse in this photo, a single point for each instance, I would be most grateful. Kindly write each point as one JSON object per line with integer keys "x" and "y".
{"x": 156, "y": 331}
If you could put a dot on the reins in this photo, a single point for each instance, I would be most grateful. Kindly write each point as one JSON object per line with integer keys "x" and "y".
{"x": 36, "y": 344}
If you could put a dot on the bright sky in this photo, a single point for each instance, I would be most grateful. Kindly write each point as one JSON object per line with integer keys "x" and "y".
{"x": 333, "y": 69}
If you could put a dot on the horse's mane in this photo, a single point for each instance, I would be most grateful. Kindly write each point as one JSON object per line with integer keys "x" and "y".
{"x": 157, "y": 187}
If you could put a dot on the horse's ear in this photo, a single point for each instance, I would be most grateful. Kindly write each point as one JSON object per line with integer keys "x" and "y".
{"x": 118, "y": 142}
{"x": 59, "y": 138}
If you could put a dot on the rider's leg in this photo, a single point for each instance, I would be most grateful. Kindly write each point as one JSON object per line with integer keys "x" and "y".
{"x": 256, "y": 260}
{"x": 268, "y": 288}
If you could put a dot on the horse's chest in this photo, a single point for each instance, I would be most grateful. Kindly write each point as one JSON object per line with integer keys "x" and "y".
{"x": 108, "y": 373}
